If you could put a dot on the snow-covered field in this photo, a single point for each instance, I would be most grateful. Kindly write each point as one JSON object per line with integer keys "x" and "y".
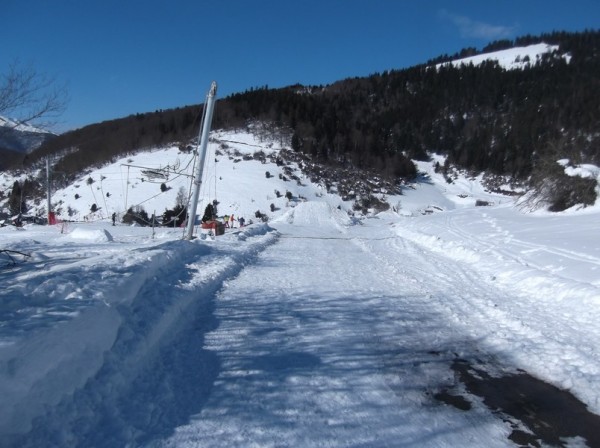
{"x": 314, "y": 329}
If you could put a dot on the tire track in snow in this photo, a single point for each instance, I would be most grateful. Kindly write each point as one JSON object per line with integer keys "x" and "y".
{"x": 500, "y": 247}
{"x": 517, "y": 331}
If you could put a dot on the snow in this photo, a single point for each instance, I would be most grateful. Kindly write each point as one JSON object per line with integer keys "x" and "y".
{"x": 584, "y": 170}
{"x": 95, "y": 235}
{"x": 510, "y": 59}
{"x": 126, "y": 184}
{"x": 316, "y": 214}
{"x": 22, "y": 127}
{"x": 21, "y": 137}
{"x": 317, "y": 328}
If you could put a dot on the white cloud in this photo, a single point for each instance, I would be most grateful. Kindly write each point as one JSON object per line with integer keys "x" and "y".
{"x": 473, "y": 28}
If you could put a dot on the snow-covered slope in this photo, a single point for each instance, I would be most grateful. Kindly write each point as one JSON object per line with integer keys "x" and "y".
{"x": 242, "y": 174}
{"x": 511, "y": 59}
{"x": 316, "y": 329}
{"x": 235, "y": 175}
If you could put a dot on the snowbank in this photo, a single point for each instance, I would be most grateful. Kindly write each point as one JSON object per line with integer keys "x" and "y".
{"x": 67, "y": 342}
{"x": 95, "y": 235}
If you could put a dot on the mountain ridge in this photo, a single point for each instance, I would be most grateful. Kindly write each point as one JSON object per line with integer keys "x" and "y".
{"x": 21, "y": 138}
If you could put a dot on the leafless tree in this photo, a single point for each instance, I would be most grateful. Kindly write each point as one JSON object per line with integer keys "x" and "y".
{"x": 28, "y": 96}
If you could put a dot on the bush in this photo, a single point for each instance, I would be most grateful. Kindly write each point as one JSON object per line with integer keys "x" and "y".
{"x": 370, "y": 202}
{"x": 571, "y": 191}
{"x": 138, "y": 216}
{"x": 553, "y": 188}
{"x": 174, "y": 217}
{"x": 258, "y": 214}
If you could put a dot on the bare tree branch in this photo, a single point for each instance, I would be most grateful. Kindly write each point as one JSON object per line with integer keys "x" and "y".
{"x": 30, "y": 97}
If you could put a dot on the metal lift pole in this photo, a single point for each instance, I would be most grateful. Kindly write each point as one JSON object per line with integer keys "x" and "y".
{"x": 50, "y": 215}
{"x": 210, "y": 103}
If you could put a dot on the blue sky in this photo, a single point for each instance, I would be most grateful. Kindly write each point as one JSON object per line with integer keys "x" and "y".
{"x": 119, "y": 57}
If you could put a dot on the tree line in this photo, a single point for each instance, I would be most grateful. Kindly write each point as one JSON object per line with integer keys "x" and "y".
{"x": 485, "y": 118}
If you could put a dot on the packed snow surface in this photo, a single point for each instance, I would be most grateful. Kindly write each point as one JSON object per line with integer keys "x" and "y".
{"x": 96, "y": 235}
{"x": 314, "y": 329}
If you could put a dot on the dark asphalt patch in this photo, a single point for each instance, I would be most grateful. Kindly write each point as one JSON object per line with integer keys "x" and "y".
{"x": 550, "y": 415}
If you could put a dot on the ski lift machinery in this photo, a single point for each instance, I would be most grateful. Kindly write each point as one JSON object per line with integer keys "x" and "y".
{"x": 203, "y": 144}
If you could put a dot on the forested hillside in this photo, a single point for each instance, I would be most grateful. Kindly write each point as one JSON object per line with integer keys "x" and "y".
{"x": 483, "y": 117}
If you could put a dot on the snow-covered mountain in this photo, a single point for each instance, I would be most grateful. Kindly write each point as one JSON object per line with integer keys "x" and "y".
{"x": 441, "y": 322}
{"x": 23, "y": 138}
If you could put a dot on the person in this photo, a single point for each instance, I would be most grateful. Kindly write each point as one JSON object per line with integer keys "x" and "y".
{"x": 226, "y": 220}
{"x": 231, "y": 219}
{"x": 209, "y": 213}
{"x": 114, "y": 218}
{"x": 241, "y": 220}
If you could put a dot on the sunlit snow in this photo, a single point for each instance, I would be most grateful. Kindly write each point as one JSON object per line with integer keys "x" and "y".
{"x": 318, "y": 328}
{"x": 512, "y": 58}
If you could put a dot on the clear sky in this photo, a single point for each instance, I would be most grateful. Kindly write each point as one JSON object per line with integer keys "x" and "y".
{"x": 119, "y": 57}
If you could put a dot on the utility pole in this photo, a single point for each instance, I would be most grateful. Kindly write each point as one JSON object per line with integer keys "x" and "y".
{"x": 50, "y": 214}
{"x": 203, "y": 144}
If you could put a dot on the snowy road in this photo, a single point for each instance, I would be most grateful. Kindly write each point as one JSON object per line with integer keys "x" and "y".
{"x": 317, "y": 350}
{"x": 320, "y": 333}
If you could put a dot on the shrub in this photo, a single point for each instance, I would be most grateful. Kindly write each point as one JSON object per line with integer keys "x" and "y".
{"x": 370, "y": 202}
{"x": 258, "y": 214}
{"x": 558, "y": 191}
{"x": 138, "y": 216}
{"x": 174, "y": 217}
{"x": 573, "y": 190}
